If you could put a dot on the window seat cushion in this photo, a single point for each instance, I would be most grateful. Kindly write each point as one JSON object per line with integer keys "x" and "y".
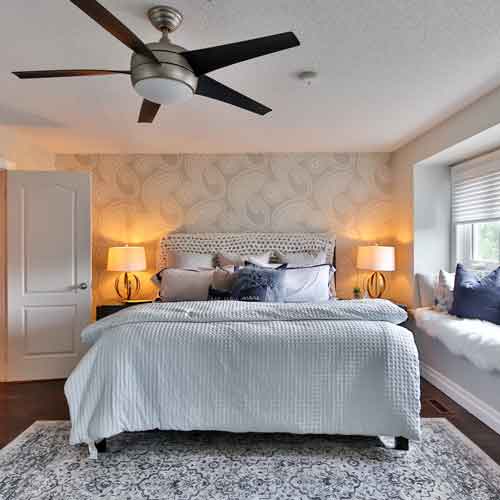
{"x": 476, "y": 340}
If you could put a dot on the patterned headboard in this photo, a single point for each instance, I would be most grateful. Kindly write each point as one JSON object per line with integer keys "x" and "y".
{"x": 246, "y": 243}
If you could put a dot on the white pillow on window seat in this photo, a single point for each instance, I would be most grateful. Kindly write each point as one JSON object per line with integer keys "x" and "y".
{"x": 443, "y": 294}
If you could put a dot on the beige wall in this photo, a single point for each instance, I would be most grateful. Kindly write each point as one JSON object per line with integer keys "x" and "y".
{"x": 138, "y": 198}
{"x": 17, "y": 150}
{"x": 366, "y": 197}
{"x": 453, "y": 133}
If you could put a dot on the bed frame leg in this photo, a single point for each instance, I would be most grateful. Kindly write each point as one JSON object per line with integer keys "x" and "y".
{"x": 401, "y": 443}
{"x": 101, "y": 446}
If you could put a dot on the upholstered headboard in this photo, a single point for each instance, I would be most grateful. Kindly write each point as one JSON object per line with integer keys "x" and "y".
{"x": 246, "y": 243}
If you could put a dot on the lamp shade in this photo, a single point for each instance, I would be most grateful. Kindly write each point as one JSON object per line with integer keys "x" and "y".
{"x": 376, "y": 258}
{"x": 126, "y": 259}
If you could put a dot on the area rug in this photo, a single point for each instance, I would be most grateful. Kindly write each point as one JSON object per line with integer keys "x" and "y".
{"x": 445, "y": 465}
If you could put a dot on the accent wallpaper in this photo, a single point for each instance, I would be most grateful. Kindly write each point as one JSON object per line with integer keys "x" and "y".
{"x": 138, "y": 198}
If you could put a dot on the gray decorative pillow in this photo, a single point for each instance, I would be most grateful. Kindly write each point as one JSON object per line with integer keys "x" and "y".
{"x": 258, "y": 285}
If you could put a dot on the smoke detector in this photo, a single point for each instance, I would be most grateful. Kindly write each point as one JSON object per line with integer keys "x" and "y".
{"x": 307, "y": 76}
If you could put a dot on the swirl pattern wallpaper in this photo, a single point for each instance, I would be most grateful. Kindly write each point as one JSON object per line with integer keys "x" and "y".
{"x": 138, "y": 198}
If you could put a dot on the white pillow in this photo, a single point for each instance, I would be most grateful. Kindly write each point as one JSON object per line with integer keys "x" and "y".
{"x": 265, "y": 266}
{"x": 302, "y": 259}
{"x": 308, "y": 259}
{"x": 307, "y": 284}
{"x": 180, "y": 260}
{"x": 184, "y": 284}
{"x": 231, "y": 259}
{"x": 443, "y": 295}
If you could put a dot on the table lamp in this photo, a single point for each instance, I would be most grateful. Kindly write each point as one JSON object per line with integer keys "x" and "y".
{"x": 376, "y": 258}
{"x": 127, "y": 259}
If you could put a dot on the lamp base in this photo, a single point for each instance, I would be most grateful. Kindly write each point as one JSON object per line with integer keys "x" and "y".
{"x": 127, "y": 285}
{"x": 376, "y": 285}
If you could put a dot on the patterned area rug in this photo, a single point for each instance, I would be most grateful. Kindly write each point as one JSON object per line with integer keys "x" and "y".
{"x": 445, "y": 465}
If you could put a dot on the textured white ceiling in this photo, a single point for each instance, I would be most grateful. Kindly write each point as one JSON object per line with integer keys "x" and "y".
{"x": 388, "y": 70}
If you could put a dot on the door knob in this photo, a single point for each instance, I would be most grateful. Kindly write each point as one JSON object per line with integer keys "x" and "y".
{"x": 83, "y": 286}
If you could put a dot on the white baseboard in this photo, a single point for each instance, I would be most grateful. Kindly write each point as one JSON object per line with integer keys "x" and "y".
{"x": 471, "y": 403}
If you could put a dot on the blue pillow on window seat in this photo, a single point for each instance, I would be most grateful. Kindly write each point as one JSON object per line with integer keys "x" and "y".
{"x": 477, "y": 298}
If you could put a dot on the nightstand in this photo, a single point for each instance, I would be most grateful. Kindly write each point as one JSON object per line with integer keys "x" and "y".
{"x": 402, "y": 306}
{"x": 107, "y": 309}
{"x": 410, "y": 324}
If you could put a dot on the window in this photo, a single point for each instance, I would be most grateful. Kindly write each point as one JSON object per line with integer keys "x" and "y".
{"x": 476, "y": 212}
{"x": 486, "y": 242}
{"x": 478, "y": 244}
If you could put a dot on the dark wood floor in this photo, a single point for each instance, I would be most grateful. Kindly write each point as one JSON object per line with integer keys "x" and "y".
{"x": 23, "y": 403}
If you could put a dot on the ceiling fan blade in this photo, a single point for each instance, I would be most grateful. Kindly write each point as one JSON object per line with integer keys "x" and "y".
{"x": 114, "y": 26}
{"x": 208, "y": 87}
{"x": 206, "y": 60}
{"x": 58, "y": 73}
{"x": 148, "y": 112}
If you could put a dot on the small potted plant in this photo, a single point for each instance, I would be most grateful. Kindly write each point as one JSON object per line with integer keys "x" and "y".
{"x": 356, "y": 292}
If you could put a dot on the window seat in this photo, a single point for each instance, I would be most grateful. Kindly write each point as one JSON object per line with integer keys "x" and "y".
{"x": 476, "y": 340}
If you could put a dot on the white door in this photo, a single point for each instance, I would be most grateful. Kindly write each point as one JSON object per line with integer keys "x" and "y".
{"x": 48, "y": 272}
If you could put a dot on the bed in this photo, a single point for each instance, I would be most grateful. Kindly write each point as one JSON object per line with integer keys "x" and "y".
{"x": 337, "y": 367}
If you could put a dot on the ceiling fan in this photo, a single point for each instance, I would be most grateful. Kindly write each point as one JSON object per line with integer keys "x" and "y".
{"x": 165, "y": 73}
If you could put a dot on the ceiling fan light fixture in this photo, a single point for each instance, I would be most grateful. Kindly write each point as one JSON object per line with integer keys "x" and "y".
{"x": 170, "y": 82}
{"x": 163, "y": 90}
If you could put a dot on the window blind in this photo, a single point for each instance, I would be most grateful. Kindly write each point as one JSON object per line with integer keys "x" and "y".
{"x": 476, "y": 190}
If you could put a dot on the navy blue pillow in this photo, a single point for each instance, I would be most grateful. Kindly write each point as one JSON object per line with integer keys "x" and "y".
{"x": 258, "y": 285}
{"x": 261, "y": 293}
{"x": 477, "y": 298}
{"x": 216, "y": 294}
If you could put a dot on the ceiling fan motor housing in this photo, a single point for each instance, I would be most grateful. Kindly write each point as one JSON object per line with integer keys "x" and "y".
{"x": 171, "y": 81}
{"x": 165, "y": 18}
